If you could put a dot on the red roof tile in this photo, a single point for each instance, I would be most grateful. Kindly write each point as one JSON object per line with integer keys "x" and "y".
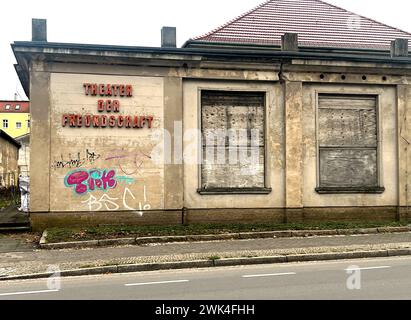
{"x": 317, "y": 23}
{"x": 10, "y": 106}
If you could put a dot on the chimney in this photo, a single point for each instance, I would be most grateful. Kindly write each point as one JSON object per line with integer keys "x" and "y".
{"x": 399, "y": 48}
{"x": 39, "y": 30}
{"x": 289, "y": 42}
{"x": 168, "y": 37}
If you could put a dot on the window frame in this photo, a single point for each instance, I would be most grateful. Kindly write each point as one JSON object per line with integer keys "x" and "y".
{"x": 378, "y": 189}
{"x": 19, "y": 123}
{"x": 17, "y": 107}
{"x": 232, "y": 191}
{"x": 5, "y": 121}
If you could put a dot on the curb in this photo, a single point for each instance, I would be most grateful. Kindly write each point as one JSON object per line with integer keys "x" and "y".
{"x": 230, "y": 262}
{"x": 217, "y": 237}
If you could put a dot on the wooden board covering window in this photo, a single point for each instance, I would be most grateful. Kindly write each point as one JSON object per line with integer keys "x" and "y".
{"x": 228, "y": 112}
{"x": 348, "y": 143}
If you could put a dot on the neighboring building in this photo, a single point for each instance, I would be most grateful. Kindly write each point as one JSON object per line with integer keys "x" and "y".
{"x": 9, "y": 170}
{"x": 304, "y": 103}
{"x": 15, "y": 117}
{"x": 24, "y": 155}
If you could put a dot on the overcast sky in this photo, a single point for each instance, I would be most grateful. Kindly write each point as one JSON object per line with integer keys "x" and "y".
{"x": 138, "y": 22}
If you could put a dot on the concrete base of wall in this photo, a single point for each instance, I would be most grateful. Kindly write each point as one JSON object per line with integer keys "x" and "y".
{"x": 194, "y": 216}
{"x": 404, "y": 214}
{"x": 41, "y": 221}
{"x": 302, "y": 215}
{"x": 351, "y": 214}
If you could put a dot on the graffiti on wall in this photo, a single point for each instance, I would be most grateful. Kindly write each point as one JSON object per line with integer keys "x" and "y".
{"x": 128, "y": 201}
{"x": 76, "y": 161}
{"x": 129, "y": 163}
{"x": 126, "y": 180}
{"x": 84, "y": 181}
{"x": 118, "y": 173}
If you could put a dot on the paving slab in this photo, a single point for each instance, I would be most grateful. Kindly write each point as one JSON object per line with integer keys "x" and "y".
{"x": 8, "y": 245}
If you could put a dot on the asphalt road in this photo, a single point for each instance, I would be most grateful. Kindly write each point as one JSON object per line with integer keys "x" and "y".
{"x": 385, "y": 278}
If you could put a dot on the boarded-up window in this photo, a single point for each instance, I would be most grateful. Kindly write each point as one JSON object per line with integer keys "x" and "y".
{"x": 348, "y": 144}
{"x": 232, "y": 141}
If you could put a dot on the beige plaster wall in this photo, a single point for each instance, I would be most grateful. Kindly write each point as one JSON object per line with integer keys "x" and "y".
{"x": 157, "y": 186}
{"x": 274, "y": 146}
{"x": 40, "y": 139}
{"x": 388, "y": 148}
{"x": 127, "y": 151}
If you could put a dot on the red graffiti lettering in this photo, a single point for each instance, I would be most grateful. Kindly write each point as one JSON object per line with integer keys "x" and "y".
{"x": 76, "y": 179}
{"x": 86, "y": 181}
{"x": 107, "y": 179}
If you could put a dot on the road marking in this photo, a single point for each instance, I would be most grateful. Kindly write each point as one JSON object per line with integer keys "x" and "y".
{"x": 270, "y": 275}
{"x": 152, "y": 283}
{"x": 370, "y": 268}
{"x": 27, "y": 292}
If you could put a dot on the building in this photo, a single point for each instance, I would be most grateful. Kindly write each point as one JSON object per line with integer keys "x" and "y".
{"x": 295, "y": 111}
{"x": 15, "y": 117}
{"x": 9, "y": 171}
{"x": 24, "y": 154}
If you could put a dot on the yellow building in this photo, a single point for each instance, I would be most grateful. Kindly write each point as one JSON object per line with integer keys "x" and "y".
{"x": 15, "y": 118}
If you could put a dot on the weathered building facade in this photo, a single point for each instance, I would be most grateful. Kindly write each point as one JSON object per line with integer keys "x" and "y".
{"x": 24, "y": 155}
{"x": 225, "y": 129}
{"x": 9, "y": 170}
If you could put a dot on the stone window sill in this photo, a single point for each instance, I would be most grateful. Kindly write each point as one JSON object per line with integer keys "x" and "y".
{"x": 339, "y": 190}
{"x": 228, "y": 191}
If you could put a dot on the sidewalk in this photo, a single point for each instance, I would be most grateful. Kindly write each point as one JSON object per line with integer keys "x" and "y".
{"x": 15, "y": 244}
{"x": 38, "y": 261}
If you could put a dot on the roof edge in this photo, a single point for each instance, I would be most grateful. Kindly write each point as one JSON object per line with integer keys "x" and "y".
{"x": 80, "y": 46}
{"x": 8, "y": 138}
{"x": 15, "y": 101}
{"x": 239, "y": 45}
{"x": 22, "y": 137}
{"x": 196, "y": 54}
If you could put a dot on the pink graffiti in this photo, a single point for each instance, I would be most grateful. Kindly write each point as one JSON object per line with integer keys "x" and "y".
{"x": 85, "y": 181}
